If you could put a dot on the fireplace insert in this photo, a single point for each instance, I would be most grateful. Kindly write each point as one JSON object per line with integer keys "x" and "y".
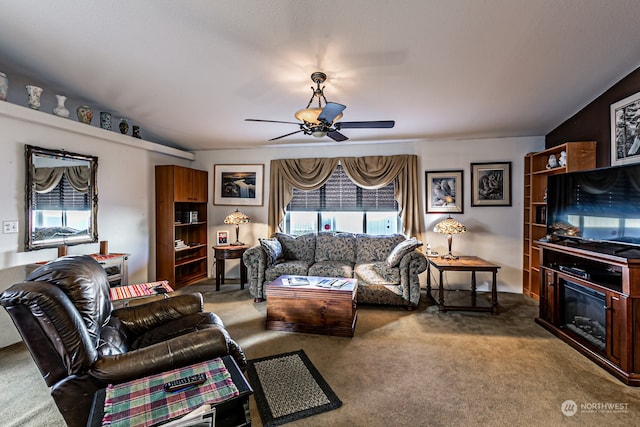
{"x": 583, "y": 312}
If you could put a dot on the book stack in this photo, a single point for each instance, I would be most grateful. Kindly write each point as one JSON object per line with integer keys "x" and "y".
{"x": 180, "y": 244}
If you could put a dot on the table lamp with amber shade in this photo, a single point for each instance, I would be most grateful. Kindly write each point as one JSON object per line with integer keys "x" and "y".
{"x": 236, "y": 218}
{"x": 449, "y": 226}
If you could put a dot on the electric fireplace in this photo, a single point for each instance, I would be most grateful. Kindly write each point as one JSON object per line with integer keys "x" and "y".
{"x": 583, "y": 312}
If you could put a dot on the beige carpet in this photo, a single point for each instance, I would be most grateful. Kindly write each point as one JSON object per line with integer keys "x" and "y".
{"x": 420, "y": 368}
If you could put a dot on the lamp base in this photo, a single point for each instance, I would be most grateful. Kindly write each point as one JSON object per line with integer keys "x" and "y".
{"x": 237, "y": 243}
{"x": 449, "y": 256}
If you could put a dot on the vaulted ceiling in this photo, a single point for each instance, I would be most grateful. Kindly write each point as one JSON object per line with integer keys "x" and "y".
{"x": 189, "y": 72}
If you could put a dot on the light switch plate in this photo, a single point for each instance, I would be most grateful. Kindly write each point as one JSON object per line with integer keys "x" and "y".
{"x": 9, "y": 227}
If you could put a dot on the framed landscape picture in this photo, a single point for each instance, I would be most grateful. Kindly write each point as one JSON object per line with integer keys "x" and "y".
{"x": 625, "y": 130}
{"x": 238, "y": 185}
{"x": 444, "y": 191}
{"x": 491, "y": 184}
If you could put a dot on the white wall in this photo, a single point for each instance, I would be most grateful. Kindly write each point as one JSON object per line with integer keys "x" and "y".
{"x": 125, "y": 197}
{"x": 495, "y": 233}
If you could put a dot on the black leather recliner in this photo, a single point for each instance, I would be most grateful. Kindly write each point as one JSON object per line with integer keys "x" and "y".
{"x": 80, "y": 343}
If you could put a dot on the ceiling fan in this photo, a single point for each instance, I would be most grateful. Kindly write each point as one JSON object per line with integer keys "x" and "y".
{"x": 320, "y": 121}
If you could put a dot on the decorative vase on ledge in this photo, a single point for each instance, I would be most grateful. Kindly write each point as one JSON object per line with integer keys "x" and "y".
{"x": 34, "y": 96}
{"x": 61, "y": 110}
{"x": 124, "y": 126}
{"x": 105, "y": 120}
{"x": 85, "y": 115}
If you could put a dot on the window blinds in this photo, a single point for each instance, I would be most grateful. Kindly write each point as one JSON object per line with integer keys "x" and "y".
{"x": 62, "y": 198}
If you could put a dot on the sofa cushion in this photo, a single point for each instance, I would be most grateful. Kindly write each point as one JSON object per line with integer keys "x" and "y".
{"x": 293, "y": 268}
{"x": 336, "y": 247}
{"x": 331, "y": 269}
{"x": 298, "y": 247}
{"x": 273, "y": 249}
{"x": 371, "y": 247}
{"x": 377, "y": 273}
{"x": 401, "y": 249}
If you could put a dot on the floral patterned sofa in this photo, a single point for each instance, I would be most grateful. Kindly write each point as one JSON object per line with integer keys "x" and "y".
{"x": 386, "y": 267}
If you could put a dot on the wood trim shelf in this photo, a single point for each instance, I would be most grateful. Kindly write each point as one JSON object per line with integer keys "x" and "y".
{"x": 42, "y": 118}
{"x": 186, "y": 261}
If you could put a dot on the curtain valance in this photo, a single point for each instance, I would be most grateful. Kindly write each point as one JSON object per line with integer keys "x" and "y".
{"x": 46, "y": 179}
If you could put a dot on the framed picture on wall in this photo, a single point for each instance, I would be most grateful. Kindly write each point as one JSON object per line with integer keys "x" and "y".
{"x": 238, "y": 185}
{"x": 444, "y": 191}
{"x": 222, "y": 238}
{"x": 625, "y": 130}
{"x": 491, "y": 184}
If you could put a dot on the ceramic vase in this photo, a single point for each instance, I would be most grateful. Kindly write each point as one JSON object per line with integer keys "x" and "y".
{"x": 85, "y": 115}
{"x": 124, "y": 126}
{"x": 136, "y": 132}
{"x": 4, "y": 86}
{"x": 105, "y": 120}
{"x": 34, "y": 93}
{"x": 61, "y": 110}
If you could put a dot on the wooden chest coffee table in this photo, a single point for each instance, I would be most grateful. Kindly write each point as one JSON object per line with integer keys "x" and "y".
{"x": 311, "y": 308}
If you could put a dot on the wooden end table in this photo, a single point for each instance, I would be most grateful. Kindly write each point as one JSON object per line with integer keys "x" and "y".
{"x": 464, "y": 263}
{"x": 310, "y": 308}
{"x": 225, "y": 252}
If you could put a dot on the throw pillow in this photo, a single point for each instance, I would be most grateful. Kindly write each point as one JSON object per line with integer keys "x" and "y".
{"x": 401, "y": 249}
{"x": 273, "y": 249}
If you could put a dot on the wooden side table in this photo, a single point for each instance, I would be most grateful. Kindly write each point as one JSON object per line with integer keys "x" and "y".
{"x": 225, "y": 252}
{"x": 464, "y": 263}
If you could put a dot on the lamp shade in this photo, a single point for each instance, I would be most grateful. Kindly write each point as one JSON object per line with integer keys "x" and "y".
{"x": 236, "y": 217}
{"x": 449, "y": 226}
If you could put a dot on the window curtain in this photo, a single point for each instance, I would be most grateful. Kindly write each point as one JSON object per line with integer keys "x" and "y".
{"x": 46, "y": 179}
{"x": 369, "y": 172}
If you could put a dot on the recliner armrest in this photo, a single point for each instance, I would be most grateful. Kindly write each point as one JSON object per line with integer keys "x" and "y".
{"x": 143, "y": 317}
{"x": 184, "y": 350}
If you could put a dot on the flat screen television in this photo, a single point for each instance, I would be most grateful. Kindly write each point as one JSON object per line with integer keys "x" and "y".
{"x": 601, "y": 205}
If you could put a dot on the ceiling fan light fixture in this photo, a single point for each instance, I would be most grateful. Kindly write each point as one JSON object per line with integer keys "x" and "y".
{"x": 319, "y": 133}
{"x": 310, "y": 115}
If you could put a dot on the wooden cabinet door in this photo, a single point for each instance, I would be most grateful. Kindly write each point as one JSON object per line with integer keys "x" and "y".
{"x": 190, "y": 185}
{"x": 616, "y": 328}
{"x": 548, "y": 296}
{"x": 199, "y": 186}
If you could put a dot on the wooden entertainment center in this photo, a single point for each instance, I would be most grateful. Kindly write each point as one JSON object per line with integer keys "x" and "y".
{"x": 587, "y": 284}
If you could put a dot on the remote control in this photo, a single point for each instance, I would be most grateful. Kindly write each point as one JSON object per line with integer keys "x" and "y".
{"x": 185, "y": 383}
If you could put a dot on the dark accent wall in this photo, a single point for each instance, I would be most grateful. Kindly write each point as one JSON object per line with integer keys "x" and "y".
{"x": 592, "y": 122}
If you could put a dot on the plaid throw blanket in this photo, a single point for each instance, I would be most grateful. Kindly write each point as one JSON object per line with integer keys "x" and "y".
{"x": 137, "y": 290}
{"x": 144, "y": 402}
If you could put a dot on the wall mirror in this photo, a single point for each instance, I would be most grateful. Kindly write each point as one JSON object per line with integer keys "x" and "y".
{"x": 61, "y": 203}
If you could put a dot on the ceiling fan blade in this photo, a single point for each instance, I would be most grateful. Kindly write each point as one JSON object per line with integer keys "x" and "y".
{"x": 269, "y": 121}
{"x": 336, "y": 136}
{"x": 330, "y": 112}
{"x": 283, "y": 136}
{"x": 364, "y": 125}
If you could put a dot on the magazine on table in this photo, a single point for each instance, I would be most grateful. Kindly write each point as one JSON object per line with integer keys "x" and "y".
{"x": 204, "y": 416}
{"x": 331, "y": 283}
{"x": 297, "y": 281}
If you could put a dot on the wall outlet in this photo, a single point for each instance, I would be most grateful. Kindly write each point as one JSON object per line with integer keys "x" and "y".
{"x": 9, "y": 227}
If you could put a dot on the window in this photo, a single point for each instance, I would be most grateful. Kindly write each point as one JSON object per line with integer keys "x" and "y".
{"x": 341, "y": 205}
